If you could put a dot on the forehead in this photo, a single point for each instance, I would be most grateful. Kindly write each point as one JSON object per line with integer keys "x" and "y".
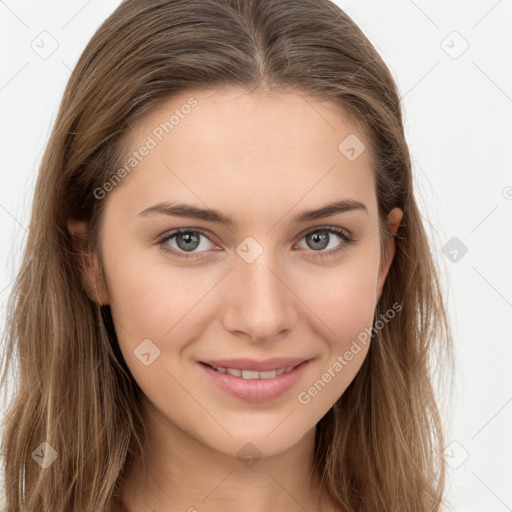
{"x": 229, "y": 147}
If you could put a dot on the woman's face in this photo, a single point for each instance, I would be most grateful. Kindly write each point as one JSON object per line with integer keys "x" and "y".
{"x": 274, "y": 287}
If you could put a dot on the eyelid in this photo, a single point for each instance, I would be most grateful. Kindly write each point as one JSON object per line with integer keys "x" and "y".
{"x": 325, "y": 227}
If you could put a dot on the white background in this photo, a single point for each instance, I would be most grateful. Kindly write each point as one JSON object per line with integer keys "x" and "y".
{"x": 457, "y": 113}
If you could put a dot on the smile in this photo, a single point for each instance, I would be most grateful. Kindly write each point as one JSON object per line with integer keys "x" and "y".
{"x": 261, "y": 382}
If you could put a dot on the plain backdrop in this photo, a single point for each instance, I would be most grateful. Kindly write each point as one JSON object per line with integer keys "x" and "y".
{"x": 451, "y": 61}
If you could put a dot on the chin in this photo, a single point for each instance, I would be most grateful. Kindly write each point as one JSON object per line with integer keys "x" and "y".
{"x": 258, "y": 443}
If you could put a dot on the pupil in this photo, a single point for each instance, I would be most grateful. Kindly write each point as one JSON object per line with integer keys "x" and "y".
{"x": 320, "y": 237}
{"x": 189, "y": 237}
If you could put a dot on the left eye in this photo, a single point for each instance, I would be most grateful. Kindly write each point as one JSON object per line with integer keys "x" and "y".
{"x": 319, "y": 236}
{"x": 188, "y": 240}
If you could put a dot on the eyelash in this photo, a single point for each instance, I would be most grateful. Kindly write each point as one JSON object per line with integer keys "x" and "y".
{"x": 347, "y": 239}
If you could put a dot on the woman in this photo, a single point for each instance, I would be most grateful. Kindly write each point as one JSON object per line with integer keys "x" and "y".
{"x": 227, "y": 299}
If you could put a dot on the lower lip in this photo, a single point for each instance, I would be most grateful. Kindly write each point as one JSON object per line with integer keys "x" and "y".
{"x": 255, "y": 390}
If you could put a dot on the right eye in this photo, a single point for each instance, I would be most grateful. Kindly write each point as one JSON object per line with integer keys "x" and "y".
{"x": 185, "y": 240}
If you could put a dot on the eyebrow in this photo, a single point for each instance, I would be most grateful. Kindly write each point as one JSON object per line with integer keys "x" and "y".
{"x": 207, "y": 214}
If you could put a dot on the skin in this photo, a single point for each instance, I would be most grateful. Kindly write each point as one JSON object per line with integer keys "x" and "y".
{"x": 260, "y": 158}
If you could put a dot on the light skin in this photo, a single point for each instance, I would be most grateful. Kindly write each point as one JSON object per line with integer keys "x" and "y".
{"x": 260, "y": 158}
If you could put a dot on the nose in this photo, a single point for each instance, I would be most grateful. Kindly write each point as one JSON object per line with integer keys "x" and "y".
{"x": 260, "y": 301}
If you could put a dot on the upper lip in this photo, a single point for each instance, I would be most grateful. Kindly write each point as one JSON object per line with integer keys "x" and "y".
{"x": 259, "y": 366}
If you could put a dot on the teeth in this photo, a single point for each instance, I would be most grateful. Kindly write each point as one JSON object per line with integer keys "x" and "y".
{"x": 252, "y": 374}
{"x": 267, "y": 375}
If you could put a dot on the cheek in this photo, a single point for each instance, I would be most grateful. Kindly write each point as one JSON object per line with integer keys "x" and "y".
{"x": 155, "y": 312}
{"x": 147, "y": 298}
{"x": 137, "y": 296}
{"x": 344, "y": 298}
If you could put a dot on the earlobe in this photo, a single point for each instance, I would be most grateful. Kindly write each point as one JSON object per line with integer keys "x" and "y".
{"x": 394, "y": 220}
{"x": 95, "y": 286}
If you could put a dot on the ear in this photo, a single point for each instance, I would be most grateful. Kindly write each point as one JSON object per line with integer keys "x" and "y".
{"x": 394, "y": 219}
{"x": 95, "y": 285}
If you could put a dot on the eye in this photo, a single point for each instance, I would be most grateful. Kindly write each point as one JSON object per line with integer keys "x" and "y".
{"x": 320, "y": 238}
{"x": 187, "y": 240}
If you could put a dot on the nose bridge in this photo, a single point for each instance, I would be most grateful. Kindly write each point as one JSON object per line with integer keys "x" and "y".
{"x": 260, "y": 304}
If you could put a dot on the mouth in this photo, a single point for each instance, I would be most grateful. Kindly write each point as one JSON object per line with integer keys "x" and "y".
{"x": 253, "y": 374}
{"x": 255, "y": 381}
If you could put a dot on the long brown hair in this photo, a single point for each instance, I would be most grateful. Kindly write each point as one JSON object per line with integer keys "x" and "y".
{"x": 380, "y": 446}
